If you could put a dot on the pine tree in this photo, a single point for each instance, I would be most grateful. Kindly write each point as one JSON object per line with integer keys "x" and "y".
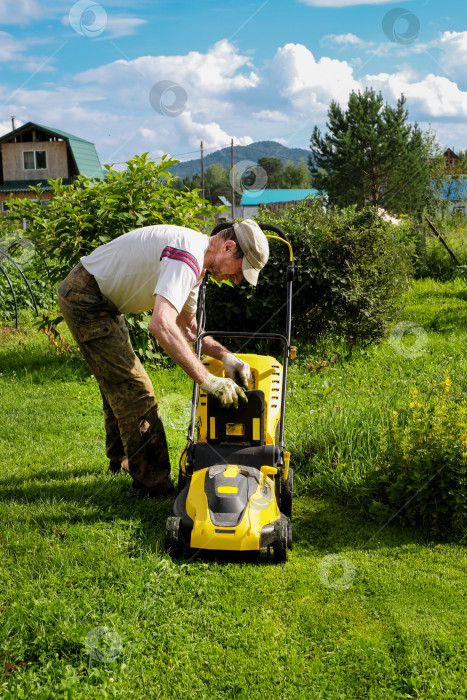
{"x": 371, "y": 155}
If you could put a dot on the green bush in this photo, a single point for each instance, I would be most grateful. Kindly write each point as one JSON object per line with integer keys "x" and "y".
{"x": 350, "y": 268}
{"x": 421, "y": 475}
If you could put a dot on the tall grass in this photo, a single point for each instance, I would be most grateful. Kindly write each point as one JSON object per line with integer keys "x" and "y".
{"x": 435, "y": 261}
{"x": 336, "y": 412}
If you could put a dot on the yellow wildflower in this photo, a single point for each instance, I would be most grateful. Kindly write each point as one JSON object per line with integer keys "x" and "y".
{"x": 446, "y": 384}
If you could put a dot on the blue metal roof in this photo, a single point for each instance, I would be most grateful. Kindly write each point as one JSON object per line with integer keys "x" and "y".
{"x": 255, "y": 197}
{"x": 455, "y": 188}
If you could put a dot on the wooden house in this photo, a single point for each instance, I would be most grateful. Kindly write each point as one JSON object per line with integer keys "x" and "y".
{"x": 452, "y": 163}
{"x": 31, "y": 154}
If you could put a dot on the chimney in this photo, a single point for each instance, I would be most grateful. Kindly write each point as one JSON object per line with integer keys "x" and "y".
{"x": 13, "y": 123}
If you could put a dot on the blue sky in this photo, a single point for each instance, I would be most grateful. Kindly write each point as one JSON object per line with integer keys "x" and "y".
{"x": 160, "y": 76}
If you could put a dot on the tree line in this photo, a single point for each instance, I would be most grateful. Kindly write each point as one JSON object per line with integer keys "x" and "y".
{"x": 218, "y": 184}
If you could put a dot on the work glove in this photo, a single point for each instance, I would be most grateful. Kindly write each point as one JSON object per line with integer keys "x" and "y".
{"x": 224, "y": 389}
{"x": 233, "y": 364}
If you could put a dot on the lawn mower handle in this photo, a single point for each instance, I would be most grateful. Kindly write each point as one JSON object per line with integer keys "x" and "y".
{"x": 285, "y": 339}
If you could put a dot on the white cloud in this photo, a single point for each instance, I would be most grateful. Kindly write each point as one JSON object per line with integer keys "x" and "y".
{"x": 6, "y": 126}
{"x": 122, "y": 26}
{"x": 272, "y": 115}
{"x": 433, "y": 96}
{"x": 345, "y": 40}
{"x": 306, "y": 84}
{"x": 113, "y": 26}
{"x": 20, "y": 11}
{"x": 38, "y": 64}
{"x": 10, "y": 48}
{"x": 453, "y": 47}
{"x": 13, "y": 51}
{"x": 184, "y": 129}
{"x": 211, "y": 73}
{"x": 227, "y": 96}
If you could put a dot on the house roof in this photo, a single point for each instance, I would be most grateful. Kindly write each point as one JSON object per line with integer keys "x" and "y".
{"x": 224, "y": 200}
{"x": 25, "y": 185}
{"x": 83, "y": 152}
{"x": 449, "y": 151}
{"x": 256, "y": 197}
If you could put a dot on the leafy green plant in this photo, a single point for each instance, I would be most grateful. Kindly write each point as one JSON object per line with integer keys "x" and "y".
{"x": 421, "y": 476}
{"x": 144, "y": 344}
{"x": 350, "y": 268}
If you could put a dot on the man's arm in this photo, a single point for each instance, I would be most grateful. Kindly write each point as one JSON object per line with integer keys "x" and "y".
{"x": 187, "y": 324}
{"x": 232, "y": 364}
{"x": 165, "y": 327}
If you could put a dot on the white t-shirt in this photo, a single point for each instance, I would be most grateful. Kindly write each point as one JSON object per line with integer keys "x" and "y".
{"x": 166, "y": 260}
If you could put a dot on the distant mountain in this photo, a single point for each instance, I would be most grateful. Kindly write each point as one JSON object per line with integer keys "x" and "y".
{"x": 253, "y": 153}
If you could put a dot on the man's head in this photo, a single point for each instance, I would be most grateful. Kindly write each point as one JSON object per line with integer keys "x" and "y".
{"x": 238, "y": 252}
{"x": 255, "y": 248}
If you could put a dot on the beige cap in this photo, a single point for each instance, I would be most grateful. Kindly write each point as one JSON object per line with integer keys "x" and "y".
{"x": 254, "y": 245}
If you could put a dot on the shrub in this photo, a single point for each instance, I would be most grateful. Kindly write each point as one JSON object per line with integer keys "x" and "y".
{"x": 421, "y": 477}
{"x": 350, "y": 270}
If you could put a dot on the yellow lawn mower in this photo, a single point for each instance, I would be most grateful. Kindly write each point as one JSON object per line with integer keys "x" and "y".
{"x": 235, "y": 481}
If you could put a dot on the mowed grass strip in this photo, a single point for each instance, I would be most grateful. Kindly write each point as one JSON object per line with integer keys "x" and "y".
{"x": 386, "y": 620}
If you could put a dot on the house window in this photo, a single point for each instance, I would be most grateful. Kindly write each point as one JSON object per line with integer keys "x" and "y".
{"x": 461, "y": 209}
{"x": 34, "y": 160}
{"x": 4, "y": 207}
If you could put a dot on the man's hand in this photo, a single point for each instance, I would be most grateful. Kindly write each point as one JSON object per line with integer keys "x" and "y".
{"x": 224, "y": 389}
{"x": 234, "y": 364}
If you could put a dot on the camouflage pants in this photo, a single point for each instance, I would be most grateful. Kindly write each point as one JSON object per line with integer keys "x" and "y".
{"x": 135, "y": 436}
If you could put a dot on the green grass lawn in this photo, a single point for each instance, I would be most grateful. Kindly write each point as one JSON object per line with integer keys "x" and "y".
{"x": 91, "y": 607}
